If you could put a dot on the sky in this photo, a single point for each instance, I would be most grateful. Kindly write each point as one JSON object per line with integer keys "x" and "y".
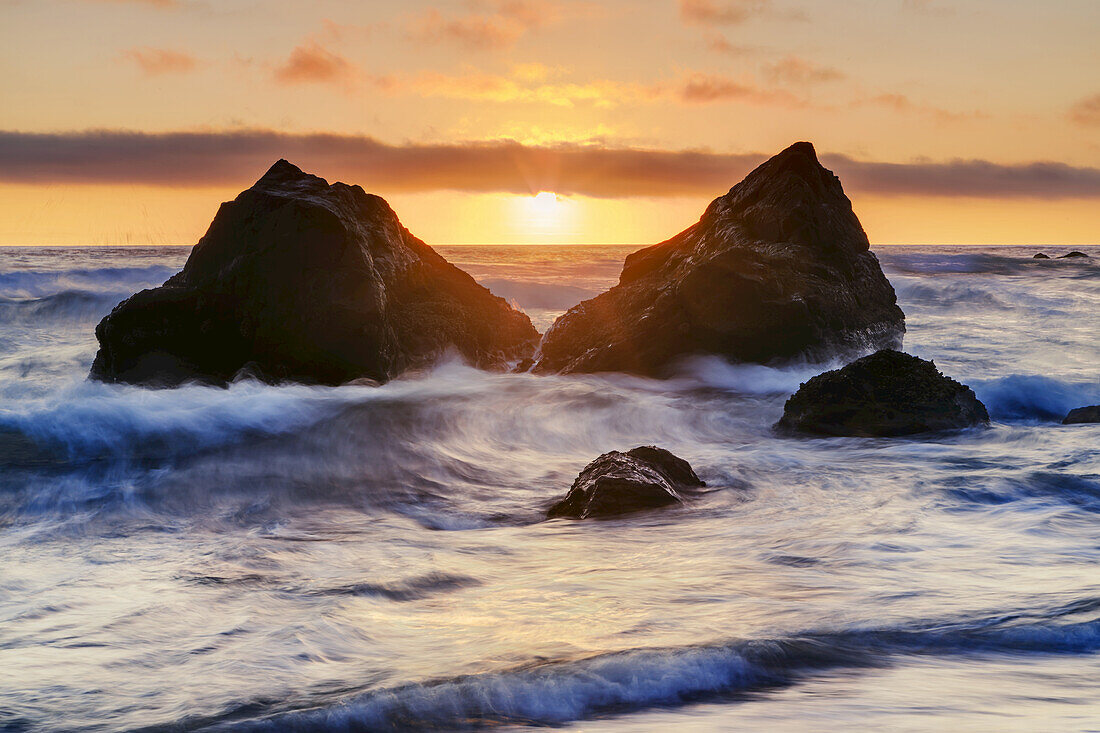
{"x": 550, "y": 121}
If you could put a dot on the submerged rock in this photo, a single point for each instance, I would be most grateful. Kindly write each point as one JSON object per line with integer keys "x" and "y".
{"x": 777, "y": 268}
{"x": 618, "y": 483}
{"x": 304, "y": 281}
{"x": 1083, "y": 415}
{"x": 1074, "y": 254}
{"x": 884, "y": 394}
{"x": 1040, "y": 256}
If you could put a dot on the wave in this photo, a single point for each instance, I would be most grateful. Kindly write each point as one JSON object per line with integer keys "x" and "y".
{"x": 91, "y": 420}
{"x": 557, "y": 692}
{"x": 68, "y": 305}
{"x": 1033, "y": 398}
{"x": 540, "y": 295}
{"x": 33, "y": 284}
{"x": 954, "y": 262}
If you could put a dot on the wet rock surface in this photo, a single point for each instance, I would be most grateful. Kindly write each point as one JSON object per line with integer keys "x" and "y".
{"x": 888, "y": 393}
{"x": 777, "y": 268}
{"x": 299, "y": 280}
{"x": 1083, "y": 415}
{"x": 617, "y": 483}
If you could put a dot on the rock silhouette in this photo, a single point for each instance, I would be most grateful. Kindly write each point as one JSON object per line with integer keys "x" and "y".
{"x": 885, "y": 394}
{"x": 1083, "y": 415}
{"x": 1040, "y": 256}
{"x": 300, "y": 280}
{"x": 777, "y": 268}
{"x": 1074, "y": 254}
{"x": 618, "y": 483}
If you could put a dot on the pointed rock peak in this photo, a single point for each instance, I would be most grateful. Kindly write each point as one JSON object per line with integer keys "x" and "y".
{"x": 286, "y": 172}
{"x": 799, "y": 159}
{"x": 792, "y": 178}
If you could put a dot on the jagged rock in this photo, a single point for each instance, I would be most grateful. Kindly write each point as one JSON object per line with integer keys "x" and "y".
{"x": 618, "y": 483}
{"x": 304, "y": 281}
{"x": 1083, "y": 415}
{"x": 1040, "y": 256}
{"x": 777, "y": 268}
{"x": 884, "y": 394}
{"x": 1074, "y": 254}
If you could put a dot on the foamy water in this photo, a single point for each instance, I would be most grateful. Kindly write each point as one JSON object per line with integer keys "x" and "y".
{"x": 355, "y": 558}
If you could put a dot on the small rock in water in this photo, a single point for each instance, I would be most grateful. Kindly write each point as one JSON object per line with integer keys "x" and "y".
{"x": 1083, "y": 415}
{"x": 1040, "y": 256}
{"x": 885, "y": 394}
{"x": 618, "y": 483}
{"x": 1074, "y": 253}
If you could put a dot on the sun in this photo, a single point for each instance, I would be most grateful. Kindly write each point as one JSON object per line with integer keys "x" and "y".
{"x": 544, "y": 216}
{"x": 545, "y": 203}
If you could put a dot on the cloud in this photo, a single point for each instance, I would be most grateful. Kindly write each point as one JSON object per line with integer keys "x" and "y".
{"x": 799, "y": 71}
{"x": 490, "y": 24}
{"x": 703, "y": 88}
{"x": 157, "y": 61}
{"x": 162, "y": 4}
{"x": 930, "y": 7}
{"x": 720, "y": 12}
{"x": 731, "y": 12}
{"x": 1087, "y": 111}
{"x": 311, "y": 63}
{"x": 904, "y": 105}
{"x": 235, "y": 158}
{"x": 719, "y": 44}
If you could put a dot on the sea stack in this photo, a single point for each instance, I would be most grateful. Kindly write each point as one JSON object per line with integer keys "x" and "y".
{"x": 778, "y": 268}
{"x": 888, "y": 393}
{"x": 299, "y": 280}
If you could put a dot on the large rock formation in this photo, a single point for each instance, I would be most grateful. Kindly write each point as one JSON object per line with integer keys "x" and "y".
{"x": 616, "y": 483}
{"x": 300, "y": 280}
{"x": 1082, "y": 415}
{"x": 884, "y": 394}
{"x": 777, "y": 268}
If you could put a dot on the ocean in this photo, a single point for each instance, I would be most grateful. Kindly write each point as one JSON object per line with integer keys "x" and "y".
{"x": 357, "y": 558}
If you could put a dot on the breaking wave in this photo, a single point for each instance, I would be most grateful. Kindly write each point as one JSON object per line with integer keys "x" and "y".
{"x": 557, "y": 692}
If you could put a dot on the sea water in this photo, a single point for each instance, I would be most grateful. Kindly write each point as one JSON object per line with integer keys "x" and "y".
{"x": 356, "y": 558}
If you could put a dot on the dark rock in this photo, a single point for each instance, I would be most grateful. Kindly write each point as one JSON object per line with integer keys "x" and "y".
{"x": 1083, "y": 415}
{"x": 617, "y": 483}
{"x": 1074, "y": 253}
{"x": 1040, "y": 256}
{"x": 777, "y": 268}
{"x": 304, "y": 281}
{"x": 886, "y": 393}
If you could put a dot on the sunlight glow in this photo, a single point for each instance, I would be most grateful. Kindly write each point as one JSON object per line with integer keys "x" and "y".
{"x": 545, "y": 216}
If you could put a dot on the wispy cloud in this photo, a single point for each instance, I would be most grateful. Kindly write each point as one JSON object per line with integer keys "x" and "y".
{"x": 158, "y": 61}
{"x": 311, "y": 63}
{"x": 902, "y": 103}
{"x": 162, "y": 4}
{"x": 720, "y": 44}
{"x": 1087, "y": 111}
{"x": 234, "y": 158}
{"x": 720, "y": 12}
{"x": 800, "y": 72}
{"x": 702, "y": 88}
{"x": 490, "y": 24}
{"x": 931, "y": 7}
{"x": 732, "y": 12}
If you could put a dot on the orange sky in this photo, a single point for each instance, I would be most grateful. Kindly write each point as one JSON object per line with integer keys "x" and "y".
{"x": 949, "y": 121}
